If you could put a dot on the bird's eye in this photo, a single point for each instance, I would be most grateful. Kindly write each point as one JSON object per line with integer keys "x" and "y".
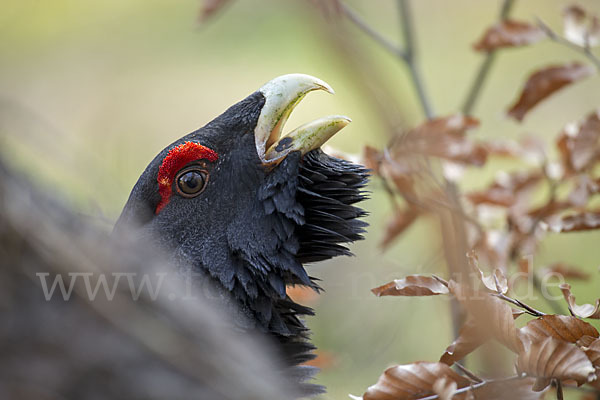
{"x": 191, "y": 181}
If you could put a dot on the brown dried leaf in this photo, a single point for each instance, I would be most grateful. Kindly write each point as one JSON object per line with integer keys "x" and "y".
{"x": 579, "y": 28}
{"x": 445, "y": 138}
{"x": 400, "y": 175}
{"x": 544, "y": 82}
{"x": 563, "y": 327}
{"x": 412, "y": 285}
{"x": 548, "y": 209}
{"x": 529, "y": 148}
{"x": 445, "y": 388}
{"x": 595, "y": 384}
{"x": 371, "y": 158}
{"x": 509, "y": 33}
{"x": 585, "y": 341}
{"x": 455, "y": 125}
{"x": 582, "y": 311}
{"x": 411, "y": 380}
{"x": 552, "y": 358}
{"x": 495, "y": 282}
{"x": 565, "y": 271}
{"x": 520, "y": 389}
{"x": 398, "y": 224}
{"x": 584, "y": 188}
{"x": 211, "y": 7}
{"x": 492, "y": 315}
{"x": 579, "y": 145}
{"x": 593, "y": 352}
{"x": 507, "y": 189}
{"x": 470, "y": 337}
{"x": 583, "y": 221}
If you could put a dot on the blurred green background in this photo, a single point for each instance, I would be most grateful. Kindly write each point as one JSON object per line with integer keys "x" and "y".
{"x": 91, "y": 91}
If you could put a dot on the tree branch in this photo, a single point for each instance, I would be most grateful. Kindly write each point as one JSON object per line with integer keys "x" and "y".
{"x": 485, "y": 67}
{"x": 409, "y": 56}
{"x": 366, "y": 28}
{"x": 519, "y": 303}
{"x": 553, "y": 36}
{"x": 559, "y": 390}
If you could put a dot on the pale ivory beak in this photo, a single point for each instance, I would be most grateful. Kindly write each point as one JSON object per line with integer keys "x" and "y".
{"x": 282, "y": 94}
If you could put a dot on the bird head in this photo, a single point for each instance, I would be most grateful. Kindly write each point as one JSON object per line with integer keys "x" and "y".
{"x": 246, "y": 207}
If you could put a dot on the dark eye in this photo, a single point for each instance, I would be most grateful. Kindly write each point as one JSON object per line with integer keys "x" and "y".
{"x": 191, "y": 181}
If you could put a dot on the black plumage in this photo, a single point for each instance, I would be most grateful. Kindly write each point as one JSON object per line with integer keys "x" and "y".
{"x": 255, "y": 225}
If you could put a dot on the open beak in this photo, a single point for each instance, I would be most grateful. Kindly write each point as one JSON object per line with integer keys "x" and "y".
{"x": 282, "y": 94}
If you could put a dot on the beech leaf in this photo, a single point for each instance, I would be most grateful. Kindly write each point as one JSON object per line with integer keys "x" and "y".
{"x": 585, "y": 341}
{"x": 371, "y": 158}
{"x": 565, "y": 271}
{"x": 582, "y": 311}
{"x": 509, "y": 33}
{"x": 551, "y": 358}
{"x": 578, "y": 143}
{"x": 470, "y": 337}
{"x": 412, "y": 285}
{"x": 444, "y": 388}
{"x": 583, "y": 189}
{"x": 493, "y": 315}
{"x": 445, "y": 138}
{"x": 544, "y": 82}
{"x": 583, "y": 221}
{"x": 564, "y": 327}
{"x": 507, "y": 189}
{"x": 495, "y": 282}
{"x": 211, "y": 7}
{"x": 411, "y": 380}
{"x": 398, "y": 224}
{"x": 519, "y": 389}
{"x": 581, "y": 28}
{"x": 593, "y": 352}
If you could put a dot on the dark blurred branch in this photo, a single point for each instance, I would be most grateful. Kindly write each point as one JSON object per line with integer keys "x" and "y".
{"x": 366, "y": 28}
{"x": 485, "y": 67}
{"x": 407, "y": 55}
{"x": 585, "y": 50}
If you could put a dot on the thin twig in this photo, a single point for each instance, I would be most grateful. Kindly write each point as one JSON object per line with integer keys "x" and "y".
{"x": 519, "y": 303}
{"x": 537, "y": 285}
{"x": 366, "y": 28}
{"x": 407, "y": 55}
{"x": 410, "y": 58}
{"x": 485, "y": 67}
{"x": 553, "y": 36}
{"x": 559, "y": 390}
{"x": 468, "y": 373}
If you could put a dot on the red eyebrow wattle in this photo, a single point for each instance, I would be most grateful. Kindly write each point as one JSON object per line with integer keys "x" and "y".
{"x": 177, "y": 158}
